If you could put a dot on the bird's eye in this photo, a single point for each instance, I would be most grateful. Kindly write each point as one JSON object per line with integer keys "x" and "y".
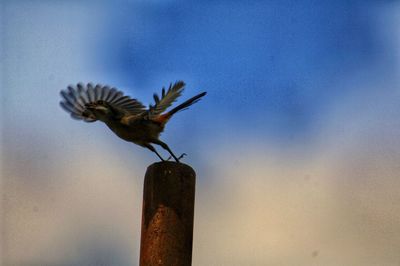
{"x": 100, "y": 102}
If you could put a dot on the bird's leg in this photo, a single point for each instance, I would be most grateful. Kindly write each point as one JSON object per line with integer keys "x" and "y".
{"x": 150, "y": 147}
{"x": 165, "y": 146}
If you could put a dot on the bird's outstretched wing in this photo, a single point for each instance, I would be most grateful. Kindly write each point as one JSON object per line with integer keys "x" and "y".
{"x": 75, "y": 99}
{"x": 167, "y": 98}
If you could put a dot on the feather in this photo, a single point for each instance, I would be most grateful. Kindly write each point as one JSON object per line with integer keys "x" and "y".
{"x": 156, "y": 99}
{"x": 90, "y": 93}
{"x": 74, "y": 100}
{"x": 98, "y": 92}
{"x": 106, "y": 91}
{"x": 116, "y": 96}
{"x": 167, "y": 98}
{"x": 111, "y": 95}
{"x": 67, "y": 107}
{"x": 70, "y": 102}
{"x": 122, "y": 100}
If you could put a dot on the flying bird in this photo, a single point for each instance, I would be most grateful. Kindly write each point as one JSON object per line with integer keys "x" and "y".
{"x": 128, "y": 118}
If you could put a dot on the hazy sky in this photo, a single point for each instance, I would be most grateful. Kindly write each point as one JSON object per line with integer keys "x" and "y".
{"x": 295, "y": 145}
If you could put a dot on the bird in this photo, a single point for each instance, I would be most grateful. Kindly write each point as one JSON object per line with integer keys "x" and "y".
{"x": 127, "y": 117}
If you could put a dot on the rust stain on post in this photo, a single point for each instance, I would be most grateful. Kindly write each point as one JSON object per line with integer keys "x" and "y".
{"x": 167, "y": 215}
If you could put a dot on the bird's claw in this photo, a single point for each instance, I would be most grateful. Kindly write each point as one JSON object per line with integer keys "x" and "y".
{"x": 180, "y": 157}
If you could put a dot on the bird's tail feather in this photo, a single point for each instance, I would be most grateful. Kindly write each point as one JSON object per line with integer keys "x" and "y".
{"x": 186, "y": 104}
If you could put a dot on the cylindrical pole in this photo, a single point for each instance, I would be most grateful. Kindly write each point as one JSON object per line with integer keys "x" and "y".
{"x": 167, "y": 215}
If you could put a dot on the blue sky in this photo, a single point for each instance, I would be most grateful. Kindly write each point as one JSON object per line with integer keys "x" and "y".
{"x": 273, "y": 61}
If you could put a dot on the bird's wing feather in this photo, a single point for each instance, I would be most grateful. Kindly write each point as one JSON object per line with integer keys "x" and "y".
{"x": 76, "y": 97}
{"x": 167, "y": 98}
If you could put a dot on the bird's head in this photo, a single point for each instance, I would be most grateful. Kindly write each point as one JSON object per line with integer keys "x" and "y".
{"x": 100, "y": 109}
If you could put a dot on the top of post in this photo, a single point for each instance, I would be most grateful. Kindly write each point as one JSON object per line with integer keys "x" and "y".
{"x": 171, "y": 166}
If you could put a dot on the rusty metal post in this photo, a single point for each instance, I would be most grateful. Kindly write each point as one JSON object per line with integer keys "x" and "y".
{"x": 167, "y": 215}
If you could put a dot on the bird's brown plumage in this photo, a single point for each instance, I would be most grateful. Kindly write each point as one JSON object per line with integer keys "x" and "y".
{"x": 126, "y": 117}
